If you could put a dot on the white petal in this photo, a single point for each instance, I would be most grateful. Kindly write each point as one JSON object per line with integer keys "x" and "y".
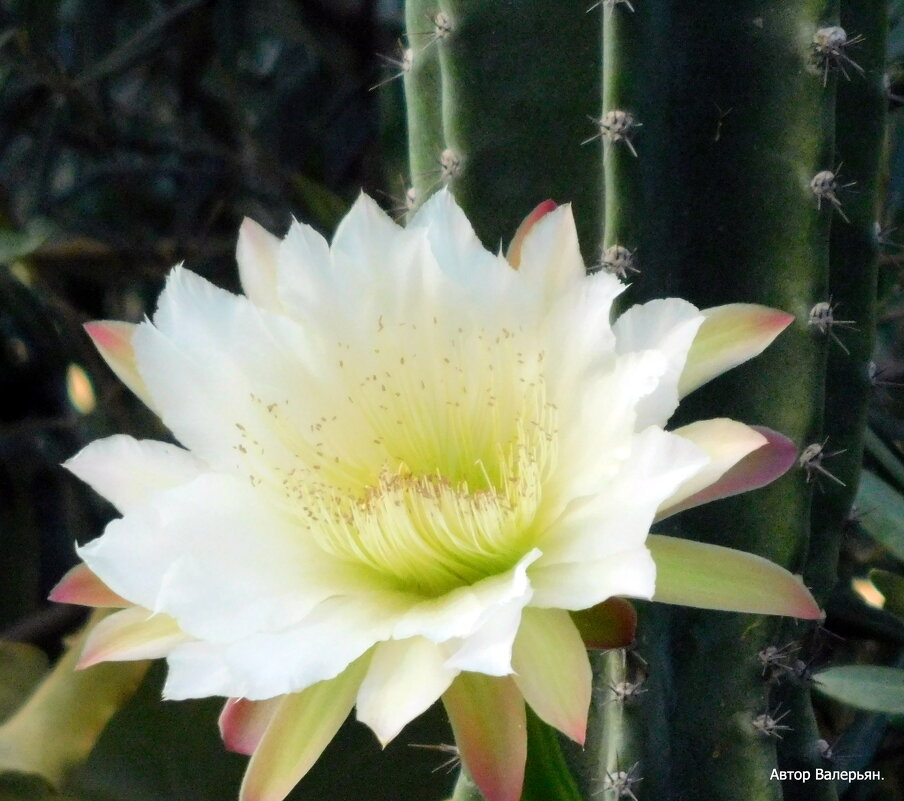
{"x": 618, "y": 517}
{"x": 264, "y": 665}
{"x": 488, "y": 650}
{"x": 246, "y": 390}
{"x": 552, "y": 670}
{"x": 458, "y": 251}
{"x": 580, "y": 585}
{"x": 551, "y": 256}
{"x": 668, "y": 325}
{"x": 128, "y": 471}
{"x": 404, "y": 678}
{"x": 462, "y": 612}
{"x": 257, "y": 256}
{"x": 218, "y": 557}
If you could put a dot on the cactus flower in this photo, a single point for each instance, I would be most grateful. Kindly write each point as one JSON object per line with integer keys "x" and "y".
{"x": 412, "y": 469}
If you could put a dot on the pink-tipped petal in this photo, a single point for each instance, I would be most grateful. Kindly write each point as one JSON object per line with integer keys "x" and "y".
{"x": 301, "y": 728}
{"x": 729, "y": 336}
{"x": 552, "y": 670}
{"x": 257, "y": 254}
{"x": 81, "y": 586}
{"x": 133, "y": 633}
{"x": 761, "y": 466}
{"x": 243, "y": 723}
{"x": 113, "y": 341}
{"x": 514, "y": 250}
{"x": 610, "y": 624}
{"x": 489, "y": 723}
{"x": 712, "y": 577}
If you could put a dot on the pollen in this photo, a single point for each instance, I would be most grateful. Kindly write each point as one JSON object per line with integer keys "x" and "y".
{"x": 431, "y": 489}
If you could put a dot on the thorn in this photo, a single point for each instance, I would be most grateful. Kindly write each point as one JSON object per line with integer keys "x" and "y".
{"x": 811, "y": 461}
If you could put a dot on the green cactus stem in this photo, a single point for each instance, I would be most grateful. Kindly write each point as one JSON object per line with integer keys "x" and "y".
{"x": 507, "y": 91}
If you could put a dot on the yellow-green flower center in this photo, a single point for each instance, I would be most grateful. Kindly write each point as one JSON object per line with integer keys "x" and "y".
{"x": 456, "y": 449}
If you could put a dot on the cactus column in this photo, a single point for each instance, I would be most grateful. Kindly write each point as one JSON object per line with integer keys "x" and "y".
{"x": 715, "y": 129}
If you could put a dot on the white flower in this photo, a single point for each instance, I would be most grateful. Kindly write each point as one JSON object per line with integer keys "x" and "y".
{"x": 404, "y": 462}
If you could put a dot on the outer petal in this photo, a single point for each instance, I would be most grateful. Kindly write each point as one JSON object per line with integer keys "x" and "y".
{"x": 301, "y": 728}
{"x": 133, "y": 633}
{"x": 610, "y": 624}
{"x": 667, "y": 325}
{"x": 257, "y": 254}
{"x": 731, "y": 335}
{"x": 725, "y": 441}
{"x": 713, "y": 577}
{"x": 243, "y": 723}
{"x": 513, "y": 254}
{"x": 81, "y": 586}
{"x": 759, "y": 468}
{"x": 550, "y": 254}
{"x": 488, "y": 720}
{"x": 404, "y": 678}
{"x": 113, "y": 340}
{"x": 128, "y": 471}
{"x": 552, "y": 670}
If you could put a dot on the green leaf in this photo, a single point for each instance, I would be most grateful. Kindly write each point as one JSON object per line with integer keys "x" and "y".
{"x": 713, "y": 577}
{"x": 870, "y": 687}
{"x": 18, "y": 244}
{"x": 156, "y": 750}
{"x": 28, "y": 787}
{"x": 882, "y": 512}
{"x": 891, "y": 585}
{"x": 884, "y": 455}
{"x": 21, "y": 668}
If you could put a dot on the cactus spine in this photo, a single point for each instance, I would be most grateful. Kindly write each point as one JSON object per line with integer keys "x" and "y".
{"x": 716, "y": 129}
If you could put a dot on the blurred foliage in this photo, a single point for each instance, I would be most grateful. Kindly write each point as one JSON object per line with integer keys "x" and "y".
{"x": 134, "y": 134}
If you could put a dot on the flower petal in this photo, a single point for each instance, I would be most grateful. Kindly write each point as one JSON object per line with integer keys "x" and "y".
{"x": 220, "y": 558}
{"x": 513, "y": 254}
{"x": 463, "y": 611}
{"x": 257, "y": 254}
{"x": 761, "y": 466}
{"x": 263, "y": 665}
{"x": 552, "y": 670}
{"x": 489, "y": 723}
{"x": 579, "y": 585}
{"x": 610, "y": 624}
{"x": 131, "y": 634}
{"x": 81, "y": 586}
{"x": 618, "y": 517}
{"x": 725, "y": 441}
{"x": 113, "y": 340}
{"x": 712, "y": 577}
{"x": 667, "y": 325}
{"x": 127, "y": 471}
{"x": 301, "y": 728}
{"x": 404, "y": 678}
{"x": 454, "y": 244}
{"x": 730, "y": 336}
{"x": 243, "y": 723}
{"x": 550, "y": 257}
